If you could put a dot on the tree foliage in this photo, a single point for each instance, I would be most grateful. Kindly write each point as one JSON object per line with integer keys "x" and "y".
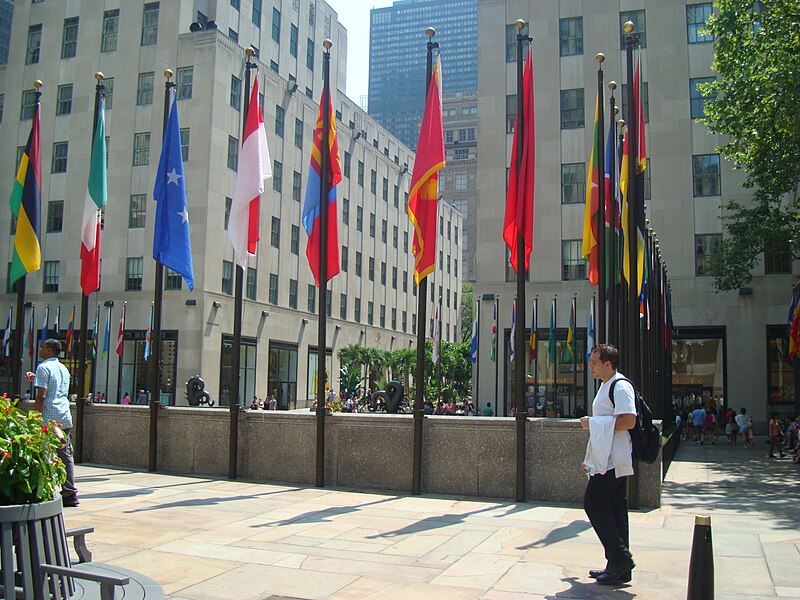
{"x": 755, "y": 103}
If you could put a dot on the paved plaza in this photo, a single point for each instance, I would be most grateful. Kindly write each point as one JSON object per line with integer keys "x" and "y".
{"x": 212, "y": 539}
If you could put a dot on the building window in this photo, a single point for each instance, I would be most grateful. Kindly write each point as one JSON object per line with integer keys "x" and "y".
{"x": 69, "y": 39}
{"x": 137, "y": 211}
{"x": 276, "y": 25}
{"x": 275, "y": 233}
{"x": 357, "y": 310}
{"x": 706, "y": 246}
{"x": 295, "y": 242}
{"x": 256, "y": 16}
{"x": 345, "y": 255}
{"x": 273, "y": 288}
{"x": 150, "y": 24}
{"x": 277, "y": 176}
{"x": 696, "y": 97}
{"x": 172, "y": 279}
{"x": 395, "y": 235}
{"x": 297, "y": 182}
{"x": 394, "y": 278}
{"x": 645, "y": 101}
{"x": 346, "y": 168}
{"x": 343, "y": 307}
{"x": 573, "y": 183}
{"x": 778, "y": 262}
{"x": 55, "y": 216}
{"x": 236, "y": 92}
{"x": 293, "y": 293}
{"x": 358, "y": 263}
{"x": 227, "y": 277}
{"x": 361, "y": 173}
{"x": 144, "y": 89}
{"x": 34, "y": 44}
{"x": 64, "y": 100}
{"x": 109, "y": 83}
{"x": 697, "y": 23}
{"x": 184, "y": 77}
{"x": 571, "y": 36}
{"x": 251, "y": 284}
{"x": 279, "y": 120}
{"x": 185, "y": 135}
{"x": 293, "y": 40}
{"x": 573, "y": 266}
{"x": 371, "y": 269}
{"x": 298, "y": 133}
{"x": 310, "y": 54}
{"x": 312, "y": 298}
{"x": 572, "y": 109}
{"x": 228, "y": 206}
{"x": 274, "y": 66}
{"x": 108, "y": 42}
{"x": 141, "y": 149}
{"x": 233, "y": 153}
{"x": 235, "y": 4}
{"x": 370, "y": 312}
{"x": 383, "y": 273}
{"x": 384, "y": 230}
{"x": 52, "y": 269}
{"x": 134, "y": 269}
{"x": 385, "y": 189}
{"x": 382, "y": 314}
{"x": 28, "y": 106}
{"x": 60, "y": 151}
{"x": 706, "y": 175}
{"x": 373, "y": 181}
{"x": 511, "y": 41}
{"x": 2, "y": 106}
{"x": 372, "y": 225}
{"x": 345, "y": 211}
{"x": 638, "y": 20}
{"x": 405, "y": 282}
{"x": 359, "y": 218}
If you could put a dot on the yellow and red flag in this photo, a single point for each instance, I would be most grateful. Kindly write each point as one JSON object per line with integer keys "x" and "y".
{"x": 424, "y": 193}
{"x": 590, "y": 235}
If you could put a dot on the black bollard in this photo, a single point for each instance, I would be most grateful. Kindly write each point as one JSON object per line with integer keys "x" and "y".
{"x": 701, "y": 563}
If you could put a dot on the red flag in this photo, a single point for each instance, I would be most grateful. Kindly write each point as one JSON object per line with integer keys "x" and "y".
{"x": 254, "y": 168}
{"x": 519, "y": 198}
{"x": 423, "y": 197}
{"x": 121, "y": 332}
{"x": 96, "y": 198}
{"x": 590, "y": 249}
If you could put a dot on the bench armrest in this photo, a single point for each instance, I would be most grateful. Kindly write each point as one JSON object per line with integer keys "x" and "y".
{"x": 79, "y": 533}
{"x": 107, "y": 583}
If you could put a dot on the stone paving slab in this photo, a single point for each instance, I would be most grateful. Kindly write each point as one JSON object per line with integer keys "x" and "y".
{"x": 213, "y": 539}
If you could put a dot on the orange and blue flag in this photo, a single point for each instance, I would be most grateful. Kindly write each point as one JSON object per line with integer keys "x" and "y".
{"x": 70, "y": 338}
{"x": 311, "y": 206}
{"x": 26, "y": 203}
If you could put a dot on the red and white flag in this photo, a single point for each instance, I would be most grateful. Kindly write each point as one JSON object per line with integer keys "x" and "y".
{"x": 255, "y": 167}
{"x": 96, "y": 198}
{"x": 121, "y": 332}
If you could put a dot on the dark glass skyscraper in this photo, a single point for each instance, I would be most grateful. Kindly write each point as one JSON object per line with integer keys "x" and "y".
{"x": 397, "y": 58}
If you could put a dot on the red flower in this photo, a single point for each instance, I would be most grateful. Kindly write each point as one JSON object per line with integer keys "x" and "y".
{"x": 45, "y": 429}
{"x": 6, "y": 455}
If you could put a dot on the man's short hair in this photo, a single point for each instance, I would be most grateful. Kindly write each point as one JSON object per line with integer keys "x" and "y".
{"x": 608, "y": 353}
{"x": 53, "y": 344}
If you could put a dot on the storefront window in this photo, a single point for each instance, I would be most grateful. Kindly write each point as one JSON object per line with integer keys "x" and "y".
{"x": 135, "y": 374}
{"x": 698, "y": 367}
{"x": 313, "y": 361}
{"x": 247, "y": 371}
{"x": 780, "y": 372}
{"x": 283, "y": 374}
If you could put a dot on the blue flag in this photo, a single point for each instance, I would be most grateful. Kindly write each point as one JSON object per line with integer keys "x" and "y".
{"x": 43, "y": 330}
{"x": 473, "y": 350}
{"x": 172, "y": 245}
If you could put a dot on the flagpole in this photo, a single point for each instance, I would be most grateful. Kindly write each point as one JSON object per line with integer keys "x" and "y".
{"x": 121, "y": 353}
{"x": 574, "y": 349}
{"x": 521, "y": 415}
{"x": 95, "y": 344}
{"x": 622, "y": 294}
{"x": 422, "y": 321}
{"x": 322, "y": 324}
{"x": 602, "y": 266}
{"x": 110, "y": 305}
{"x": 536, "y": 351}
{"x": 32, "y": 341}
{"x": 555, "y": 357}
{"x": 476, "y": 386}
{"x": 496, "y": 342}
{"x": 612, "y": 329}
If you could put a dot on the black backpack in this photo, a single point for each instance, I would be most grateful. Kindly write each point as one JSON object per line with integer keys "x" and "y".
{"x": 645, "y": 436}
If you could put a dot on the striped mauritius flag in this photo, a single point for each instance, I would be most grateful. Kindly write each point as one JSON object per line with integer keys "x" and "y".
{"x": 254, "y": 168}
{"x": 311, "y": 206}
{"x": 26, "y": 202}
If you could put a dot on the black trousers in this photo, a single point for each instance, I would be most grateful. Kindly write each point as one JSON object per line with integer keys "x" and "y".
{"x": 68, "y": 491}
{"x": 606, "y": 505}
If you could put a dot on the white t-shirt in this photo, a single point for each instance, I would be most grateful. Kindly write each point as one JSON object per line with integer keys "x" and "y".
{"x": 624, "y": 404}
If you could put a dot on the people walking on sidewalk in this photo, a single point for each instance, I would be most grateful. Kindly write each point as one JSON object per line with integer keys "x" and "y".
{"x": 775, "y": 435}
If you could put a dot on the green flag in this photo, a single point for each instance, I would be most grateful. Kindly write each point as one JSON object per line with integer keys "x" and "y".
{"x": 551, "y": 342}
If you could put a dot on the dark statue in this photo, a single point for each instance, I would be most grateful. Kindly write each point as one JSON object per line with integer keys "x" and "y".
{"x": 391, "y": 398}
{"x": 196, "y": 392}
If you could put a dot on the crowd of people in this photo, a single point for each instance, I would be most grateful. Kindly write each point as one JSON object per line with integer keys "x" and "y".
{"x": 270, "y": 403}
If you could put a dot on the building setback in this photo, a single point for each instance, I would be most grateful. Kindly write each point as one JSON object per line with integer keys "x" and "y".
{"x": 726, "y": 345}
{"x": 372, "y": 302}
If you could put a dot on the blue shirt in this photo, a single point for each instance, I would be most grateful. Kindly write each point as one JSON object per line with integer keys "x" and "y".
{"x": 52, "y": 376}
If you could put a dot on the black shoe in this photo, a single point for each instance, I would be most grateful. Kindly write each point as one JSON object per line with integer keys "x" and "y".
{"x": 613, "y": 577}
{"x": 595, "y": 573}
{"x": 70, "y": 503}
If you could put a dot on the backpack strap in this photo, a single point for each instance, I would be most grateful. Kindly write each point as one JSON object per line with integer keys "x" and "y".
{"x": 611, "y": 389}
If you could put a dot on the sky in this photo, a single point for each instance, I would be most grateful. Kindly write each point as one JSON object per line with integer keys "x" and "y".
{"x": 354, "y": 15}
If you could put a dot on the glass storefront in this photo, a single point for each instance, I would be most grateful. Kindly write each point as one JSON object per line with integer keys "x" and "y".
{"x": 313, "y": 361}
{"x": 698, "y": 366}
{"x": 247, "y": 371}
{"x": 282, "y": 380}
{"x": 135, "y": 374}
{"x": 780, "y": 373}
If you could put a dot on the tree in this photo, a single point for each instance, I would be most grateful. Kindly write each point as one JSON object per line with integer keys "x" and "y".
{"x": 467, "y": 311}
{"x": 755, "y": 103}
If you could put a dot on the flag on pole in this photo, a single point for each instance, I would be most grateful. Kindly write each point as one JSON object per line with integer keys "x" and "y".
{"x": 43, "y": 330}
{"x": 96, "y": 198}
{"x": 571, "y": 333}
{"x": 532, "y": 340}
{"x": 7, "y": 335}
{"x": 551, "y": 341}
{"x": 70, "y": 337}
{"x": 121, "y": 332}
{"x": 590, "y": 249}
{"x": 424, "y": 193}
{"x": 494, "y": 333}
{"x": 172, "y": 244}
{"x": 518, "y": 220}
{"x": 311, "y": 207}
{"x": 147, "y": 335}
{"x": 107, "y": 334}
{"x": 473, "y": 350}
{"x": 29, "y": 337}
{"x": 26, "y": 205}
{"x": 592, "y": 341}
{"x": 57, "y": 324}
{"x": 513, "y": 327}
{"x": 437, "y": 334}
{"x": 255, "y": 167}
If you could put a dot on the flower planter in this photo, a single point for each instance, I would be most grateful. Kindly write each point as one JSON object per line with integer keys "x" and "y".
{"x": 32, "y": 535}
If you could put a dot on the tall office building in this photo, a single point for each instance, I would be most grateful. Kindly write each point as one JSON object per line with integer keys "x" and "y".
{"x": 6, "y": 15}
{"x": 397, "y": 58}
{"x": 726, "y": 345}
{"x": 371, "y": 302}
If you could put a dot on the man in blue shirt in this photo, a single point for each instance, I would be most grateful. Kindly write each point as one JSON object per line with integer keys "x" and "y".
{"x": 51, "y": 381}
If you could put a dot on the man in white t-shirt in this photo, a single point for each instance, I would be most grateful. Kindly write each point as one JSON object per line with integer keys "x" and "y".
{"x": 608, "y": 463}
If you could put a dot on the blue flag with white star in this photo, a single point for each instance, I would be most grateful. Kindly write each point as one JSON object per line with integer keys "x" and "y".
{"x": 172, "y": 246}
